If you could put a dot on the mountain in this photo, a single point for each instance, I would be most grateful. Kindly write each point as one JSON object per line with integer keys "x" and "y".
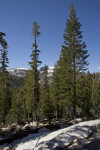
{"x": 21, "y": 72}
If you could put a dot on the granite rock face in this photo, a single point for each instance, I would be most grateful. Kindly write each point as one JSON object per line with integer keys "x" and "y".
{"x": 21, "y": 72}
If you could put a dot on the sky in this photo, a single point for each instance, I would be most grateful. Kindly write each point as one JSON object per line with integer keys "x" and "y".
{"x": 17, "y": 17}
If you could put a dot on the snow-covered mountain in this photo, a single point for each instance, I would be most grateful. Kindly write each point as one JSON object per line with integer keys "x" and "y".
{"x": 21, "y": 72}
{"x": 50, "y": 71}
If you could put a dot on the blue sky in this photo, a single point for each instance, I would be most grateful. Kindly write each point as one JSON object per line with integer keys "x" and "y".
{"x": 17, "y": 17}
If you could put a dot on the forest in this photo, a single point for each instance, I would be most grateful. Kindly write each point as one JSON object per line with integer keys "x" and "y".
{"x": 71, "y": 93}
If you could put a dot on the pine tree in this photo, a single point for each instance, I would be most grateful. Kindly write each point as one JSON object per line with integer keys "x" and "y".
{"x": 73, "y": 55}
{"x": 80, "y": 90}
{"x": 3, "y": 42}
{"x": 4, "y": 88}
{"x": 46, "y": 104}
{"x": 28, "y": 95}
{"x": 34, "y": 66}
{"x": 55, "y": 91}
{"x": 88, "y": 92}
{"x": 65, "y": 82}
{"x": 84, "y": 90}
{"x": 16, "y": 113}
{"x": 4, "y": 52}
{"x": 95, "y": 96}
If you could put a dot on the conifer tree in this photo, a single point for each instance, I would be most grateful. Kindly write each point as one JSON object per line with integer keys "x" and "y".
{"x": 46, "y": 104}
{"x": 16, "y": 113}
{"x": 95, "y": 96}
{"x": 4, "y": 90}
{"x": 34, "y": 66}
{"x": 28, "y": 95}
{"x": 3, "y": 42}
{"x": 88, "y": 91}
{"x": 84, "y": 90}
{"x": 73, "y": 55}
{"x": 4, "y": 52}
{"x": 80, "y": 90}
{"x": 55, "y": 90}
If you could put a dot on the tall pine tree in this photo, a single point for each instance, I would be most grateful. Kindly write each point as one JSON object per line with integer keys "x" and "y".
{"x": 34, "y": 66}
{"x": 73, "y": 56}
{"x": 55, "y": 91}
{"x": 46, "y": 105}
{"x": 28, "y": 95}
{"x": 4, "y": 90}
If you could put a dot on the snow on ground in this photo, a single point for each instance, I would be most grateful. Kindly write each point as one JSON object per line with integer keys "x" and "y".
{"x": 59, "y": 138}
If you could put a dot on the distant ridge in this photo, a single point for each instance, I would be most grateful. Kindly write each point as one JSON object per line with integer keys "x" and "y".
{"x": 21, "y": 72}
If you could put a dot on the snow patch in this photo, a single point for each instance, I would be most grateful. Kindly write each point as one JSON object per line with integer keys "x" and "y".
{"x": 51, "y": 68}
